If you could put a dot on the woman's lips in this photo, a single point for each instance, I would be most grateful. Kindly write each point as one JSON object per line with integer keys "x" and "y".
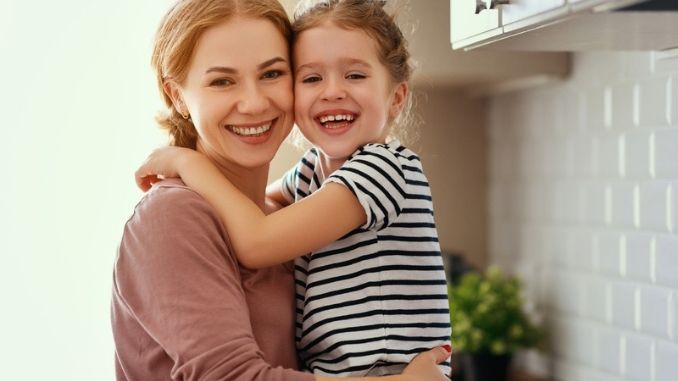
{"x": 252, "y": 133}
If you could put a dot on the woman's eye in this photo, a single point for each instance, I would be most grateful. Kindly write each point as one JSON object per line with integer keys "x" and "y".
{"x": 311, "y": 79}
{"x": 355, "y": 76}
{"x": 221, "y": 82}
{"x": 272, "y": 74}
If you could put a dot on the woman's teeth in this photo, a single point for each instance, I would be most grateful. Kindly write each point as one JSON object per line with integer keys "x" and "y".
{"x": 336, "y": 118}
{"x": 251, "y": 131}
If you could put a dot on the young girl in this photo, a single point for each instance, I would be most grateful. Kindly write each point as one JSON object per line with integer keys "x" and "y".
{"x": 372, "y": 293}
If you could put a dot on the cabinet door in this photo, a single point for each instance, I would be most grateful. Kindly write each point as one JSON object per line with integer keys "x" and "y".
{"x": 519, "y": 10}
{"x": 465, "y": 22}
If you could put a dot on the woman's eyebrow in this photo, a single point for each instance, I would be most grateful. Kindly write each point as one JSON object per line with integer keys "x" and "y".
{"x": 270, "y": 62}
{"x": 229, "y": 70}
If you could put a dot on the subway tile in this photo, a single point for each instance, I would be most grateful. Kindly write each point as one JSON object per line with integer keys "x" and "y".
{"x": 584, "y": 342}
{"x": 653, "y": 205}
{"x": 636, "y": 155}
{"x": 609, "y": 349}
{"x": 609, "y": 149}
{"x": 567, "y": 292}
{"x": 622, "y": 204}
{"x": 654, "y": 101}
{"x": 581, "y": 249}
{"x": 623, "y": 105}
{"x": 637, "y": 253}
{"x": 634, "y": 64}
{"x": 673, "y": 315}
{"x": 673, "y": 98}
{"x": 595, "y": 108}
{"x": 623, "y": 306}
{"x": 638, "y": 357}
{"x": 666, "y": 260}
{"x": 609, "y": 253}
{"x": 595, "y": 202}
{"x": 665, "y": 62}
{"x": 664, "y": 154}
{"x": 595, "y": 298}
{"x": 673, "y": 208}
{"x": 654, "y": 310}
{"x": 667, "y": 361}
{"x": 583, "y": 148}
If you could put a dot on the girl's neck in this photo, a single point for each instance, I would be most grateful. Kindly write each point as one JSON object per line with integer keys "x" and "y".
{"x": 328, "y": 165}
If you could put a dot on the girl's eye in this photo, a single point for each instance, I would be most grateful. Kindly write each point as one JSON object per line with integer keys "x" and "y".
{"x": 221, "y": 82}
{"x": 272, "y": 74}
{"x": 355, "y": 76}
{"x": 311, "y": 79}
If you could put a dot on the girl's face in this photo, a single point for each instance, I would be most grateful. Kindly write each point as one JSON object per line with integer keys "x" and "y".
{"x": 344, "y": 96}
{"x": 238, "y": 92}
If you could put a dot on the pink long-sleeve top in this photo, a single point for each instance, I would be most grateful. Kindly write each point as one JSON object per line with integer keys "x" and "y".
{"x": 182, "y": 307}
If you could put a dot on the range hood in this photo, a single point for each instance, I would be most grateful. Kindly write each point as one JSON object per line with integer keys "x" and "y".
{"x": 648, "y": 25}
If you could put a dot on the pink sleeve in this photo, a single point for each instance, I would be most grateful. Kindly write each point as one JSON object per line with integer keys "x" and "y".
{"x": 176, "y": 275}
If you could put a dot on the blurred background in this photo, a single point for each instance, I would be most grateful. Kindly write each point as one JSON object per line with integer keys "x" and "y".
{"x": 560, "y": 167}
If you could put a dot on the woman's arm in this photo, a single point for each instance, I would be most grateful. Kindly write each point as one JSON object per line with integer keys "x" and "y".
{"x": 174, "y": 277}
{"x": 262, "y": 240}
{"x": 421, "y": 368}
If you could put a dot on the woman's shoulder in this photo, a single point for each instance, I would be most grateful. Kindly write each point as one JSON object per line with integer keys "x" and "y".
{"x": 170, "y": 203}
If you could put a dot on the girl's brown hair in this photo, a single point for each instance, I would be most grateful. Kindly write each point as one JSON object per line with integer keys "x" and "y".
{"x": 370, "y": 17}
{"x": 177, "y": 37}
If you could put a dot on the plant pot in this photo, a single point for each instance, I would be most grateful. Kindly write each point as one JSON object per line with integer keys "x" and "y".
{"x": 485, "y": 367}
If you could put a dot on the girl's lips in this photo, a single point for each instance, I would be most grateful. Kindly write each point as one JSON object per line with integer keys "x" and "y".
{"x": 335, "y": 121}
{"x": 335, "y": 127}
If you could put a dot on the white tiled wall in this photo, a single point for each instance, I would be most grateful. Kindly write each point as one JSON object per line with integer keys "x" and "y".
{"x": 583, "y": 205}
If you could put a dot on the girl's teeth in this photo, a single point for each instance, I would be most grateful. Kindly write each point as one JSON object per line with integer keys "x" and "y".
{"x": 332, "y": 118}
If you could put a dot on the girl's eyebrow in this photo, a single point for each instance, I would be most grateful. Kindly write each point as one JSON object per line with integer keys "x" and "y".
{"x": 229, "y": 70}
{"x": 344, "y": 61}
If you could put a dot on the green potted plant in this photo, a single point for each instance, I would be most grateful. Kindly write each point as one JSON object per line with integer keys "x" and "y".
{"x": 489, "y": 324}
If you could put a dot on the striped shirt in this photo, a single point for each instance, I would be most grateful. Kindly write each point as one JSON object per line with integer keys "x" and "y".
{"x": 372, "y": 300}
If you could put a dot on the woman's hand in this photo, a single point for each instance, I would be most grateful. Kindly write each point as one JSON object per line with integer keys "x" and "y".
{"x": 424, "y": 367}
{"x": 162, "y": 163}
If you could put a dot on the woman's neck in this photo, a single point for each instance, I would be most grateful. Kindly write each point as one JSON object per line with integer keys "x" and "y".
{"x": 250, "y": 181}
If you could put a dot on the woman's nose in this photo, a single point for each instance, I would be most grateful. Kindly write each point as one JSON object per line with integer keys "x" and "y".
{"x": 253, "y": 101}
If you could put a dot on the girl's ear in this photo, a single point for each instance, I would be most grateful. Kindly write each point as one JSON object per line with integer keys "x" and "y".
{"x": 399, "y": 99}
{"x": 173, "y": 91}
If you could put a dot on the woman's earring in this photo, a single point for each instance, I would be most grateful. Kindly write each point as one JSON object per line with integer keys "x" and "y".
{"x": 185, "y": 116}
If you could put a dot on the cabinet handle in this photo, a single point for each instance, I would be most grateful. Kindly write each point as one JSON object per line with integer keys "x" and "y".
{"x": 480, "y": 6}
{"x": 494, "y": 3}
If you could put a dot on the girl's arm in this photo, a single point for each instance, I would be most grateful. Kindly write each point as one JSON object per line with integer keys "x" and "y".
{"x": 275, "y": 200}
{"x": 261, "y": 240}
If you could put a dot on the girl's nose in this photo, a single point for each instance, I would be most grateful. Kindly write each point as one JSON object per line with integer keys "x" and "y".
{"x": 333, "y": 90}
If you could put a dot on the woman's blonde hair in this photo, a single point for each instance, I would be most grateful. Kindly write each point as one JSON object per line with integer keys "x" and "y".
{"x": 371, "y": 17}
{"x": 176, "y": 40}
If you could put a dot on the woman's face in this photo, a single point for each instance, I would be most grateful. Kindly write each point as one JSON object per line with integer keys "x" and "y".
{"x": 238, "y": 92}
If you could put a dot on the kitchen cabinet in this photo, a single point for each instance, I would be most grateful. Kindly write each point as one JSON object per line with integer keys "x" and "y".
{"x": 470, "y": 20}
{"x": 530, "y": 12}
{"x": 566, "y": 25}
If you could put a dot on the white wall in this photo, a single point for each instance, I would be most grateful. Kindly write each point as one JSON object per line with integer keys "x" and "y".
{"x": 583, "y": 203}
{"x": 77, "y": 101}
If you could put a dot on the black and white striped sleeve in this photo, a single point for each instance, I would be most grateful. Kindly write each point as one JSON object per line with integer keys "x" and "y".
{"x": 288, "y": 184}
{"x": 375, "y": 177}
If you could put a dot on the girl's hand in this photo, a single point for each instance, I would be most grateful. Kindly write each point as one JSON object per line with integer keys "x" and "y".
{"x": 161, "y": 164}
{"x": 424, "y": 367}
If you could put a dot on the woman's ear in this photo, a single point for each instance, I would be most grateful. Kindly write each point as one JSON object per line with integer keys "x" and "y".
{"x": 173, "y": 91}
{"x": 399, "y": 99}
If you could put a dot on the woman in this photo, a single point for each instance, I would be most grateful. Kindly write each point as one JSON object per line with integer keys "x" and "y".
{"x": 182, "y": 306}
